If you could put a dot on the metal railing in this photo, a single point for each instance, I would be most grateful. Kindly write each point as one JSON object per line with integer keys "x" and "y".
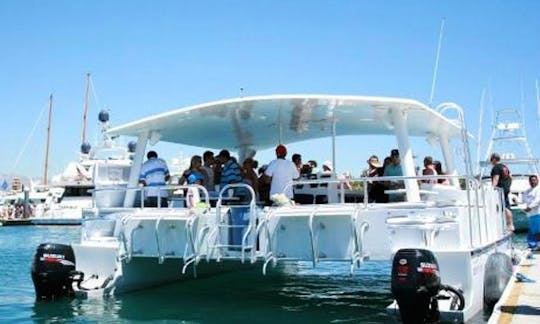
{"x": 475, "y": 194}
{"x": 223, "y": 224}
{"x": 159, "y": 189}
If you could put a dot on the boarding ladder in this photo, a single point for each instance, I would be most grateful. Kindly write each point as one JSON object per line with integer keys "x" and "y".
{"x": 315, "y": 229}
{"x": 226, "y": 229}
{"x": 167, "y": 222}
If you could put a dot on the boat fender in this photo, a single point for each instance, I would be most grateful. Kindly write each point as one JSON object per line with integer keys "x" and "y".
{"x": 497, "y": 273}
{"x": 53, "y": 271}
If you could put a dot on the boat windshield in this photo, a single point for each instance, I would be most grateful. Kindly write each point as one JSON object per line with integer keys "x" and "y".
{"x": 114, "y": 174}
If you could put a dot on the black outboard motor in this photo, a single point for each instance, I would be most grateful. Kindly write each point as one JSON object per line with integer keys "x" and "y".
{"x": 415, "y": 283}
{"x": 53, "y": 271}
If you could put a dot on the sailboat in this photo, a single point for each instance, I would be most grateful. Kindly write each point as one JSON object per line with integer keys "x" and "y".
{"x": 509, "y": 140}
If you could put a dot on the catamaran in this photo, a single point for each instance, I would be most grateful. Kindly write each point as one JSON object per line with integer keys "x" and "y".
{"x": 448, "y": 245}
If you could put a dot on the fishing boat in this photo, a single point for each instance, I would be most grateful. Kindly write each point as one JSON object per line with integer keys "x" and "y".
{"x": 509, "y": 140}
{"x": 448, "y": 246}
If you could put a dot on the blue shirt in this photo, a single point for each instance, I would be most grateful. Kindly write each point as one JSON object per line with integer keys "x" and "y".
{"x": 392, "y": 170}
{"x": 230, "y": 174}
{"x": 153, "y": 172}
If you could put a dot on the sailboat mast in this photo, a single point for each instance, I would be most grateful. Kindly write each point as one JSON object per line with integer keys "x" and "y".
{"x": 85, "y": 110}
{"x": 47, "y": 143}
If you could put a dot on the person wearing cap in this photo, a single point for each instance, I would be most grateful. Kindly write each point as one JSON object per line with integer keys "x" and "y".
{"x": 154, "y": 173}
{"x": 193, "y": 195}
{"x": 501, "y": 178}
{"x": 394, "y": 168}
{"x": 280, "y": 173}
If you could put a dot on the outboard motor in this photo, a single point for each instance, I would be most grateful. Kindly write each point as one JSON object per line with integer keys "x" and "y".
{"x": 53, "y": 271}
{"x": 415, "y": 283}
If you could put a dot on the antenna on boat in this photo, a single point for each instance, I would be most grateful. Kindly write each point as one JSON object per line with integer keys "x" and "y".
{"x": 85, "y": 109}
{"x": 479, "y": 137}
{"x": 436, "y": 68}
{"x": 522, "y": 102}
{"x": 537, "y": 102}
{"x": 46, "y": 166}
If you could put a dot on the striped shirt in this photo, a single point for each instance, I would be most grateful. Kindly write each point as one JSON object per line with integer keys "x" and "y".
{"x": 230, "y": 174}
{"x": 153, "y": 172}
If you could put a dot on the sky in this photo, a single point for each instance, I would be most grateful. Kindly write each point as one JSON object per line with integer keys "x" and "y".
{"x": 147, "y": 57}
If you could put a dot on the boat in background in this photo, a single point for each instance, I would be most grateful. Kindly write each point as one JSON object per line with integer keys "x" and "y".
{"x": 448, "y": 243}
{"x": 105, "y": 165}
{"x": 509, "y": 140}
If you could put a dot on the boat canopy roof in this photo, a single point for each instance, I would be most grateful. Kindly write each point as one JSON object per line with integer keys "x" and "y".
{"x": 262, "y": 122}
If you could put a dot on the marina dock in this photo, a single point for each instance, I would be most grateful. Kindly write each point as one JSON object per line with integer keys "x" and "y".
{"x": 520, "y": 302}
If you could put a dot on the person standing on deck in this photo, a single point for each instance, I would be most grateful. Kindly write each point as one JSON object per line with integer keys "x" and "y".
{"x": 281, "y": 172}
{"x": 394, "y": 170}
{"x": 429, "y": 169}
{"x": 501, "y": 178}
{"x": 231, "y": 172}
{"x": 531, "y": 197}
{"x": 208, "y": 166}
{"x": 154, "y": 173}
{"x": 297, "y": 160}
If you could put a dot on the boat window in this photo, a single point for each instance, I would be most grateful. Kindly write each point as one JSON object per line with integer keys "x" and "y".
{"x": 112, "y": 173}
{"x": 78, "y": 191}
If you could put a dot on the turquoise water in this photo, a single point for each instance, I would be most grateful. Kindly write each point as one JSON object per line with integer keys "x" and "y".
{"x": 323, "y": 295}
{"x": 327, "y": 294}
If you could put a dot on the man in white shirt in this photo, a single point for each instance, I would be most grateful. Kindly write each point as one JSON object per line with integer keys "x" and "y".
{"x": 154, "y": 173}
{"x": 531, "y": 197}
{"x": 282, "y": 173}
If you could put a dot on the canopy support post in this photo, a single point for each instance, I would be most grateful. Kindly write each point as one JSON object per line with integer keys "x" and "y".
{"x": 136, "y": 169}
{"x": 448, "y": 160}
{"x": 407, "y": 162}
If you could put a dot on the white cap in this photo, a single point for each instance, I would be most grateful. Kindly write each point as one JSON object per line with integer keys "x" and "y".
{"x": 329, "y": 165}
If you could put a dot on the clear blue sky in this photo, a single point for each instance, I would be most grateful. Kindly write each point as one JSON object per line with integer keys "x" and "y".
{"x": 150, "y": 56}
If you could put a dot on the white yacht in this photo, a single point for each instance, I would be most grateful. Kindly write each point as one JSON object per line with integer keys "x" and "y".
{"x": 509, "y": 140}
{"x": 449, "y": 250}
{"x": 105, "y": 165}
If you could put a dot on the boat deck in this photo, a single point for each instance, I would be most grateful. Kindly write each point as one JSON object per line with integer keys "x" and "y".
{"x": 520, "y": 302}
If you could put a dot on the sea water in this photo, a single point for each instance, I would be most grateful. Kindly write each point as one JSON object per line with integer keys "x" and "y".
{"x": 327, "y": 294}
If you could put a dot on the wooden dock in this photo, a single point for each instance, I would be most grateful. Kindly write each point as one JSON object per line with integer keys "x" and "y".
{"x": 520, "y": 302}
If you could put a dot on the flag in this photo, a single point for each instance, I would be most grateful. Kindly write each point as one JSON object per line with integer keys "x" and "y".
{"x": 5, "y": 185}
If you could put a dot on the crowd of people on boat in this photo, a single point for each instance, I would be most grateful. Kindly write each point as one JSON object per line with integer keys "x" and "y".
{"x": 216, "y": 171}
